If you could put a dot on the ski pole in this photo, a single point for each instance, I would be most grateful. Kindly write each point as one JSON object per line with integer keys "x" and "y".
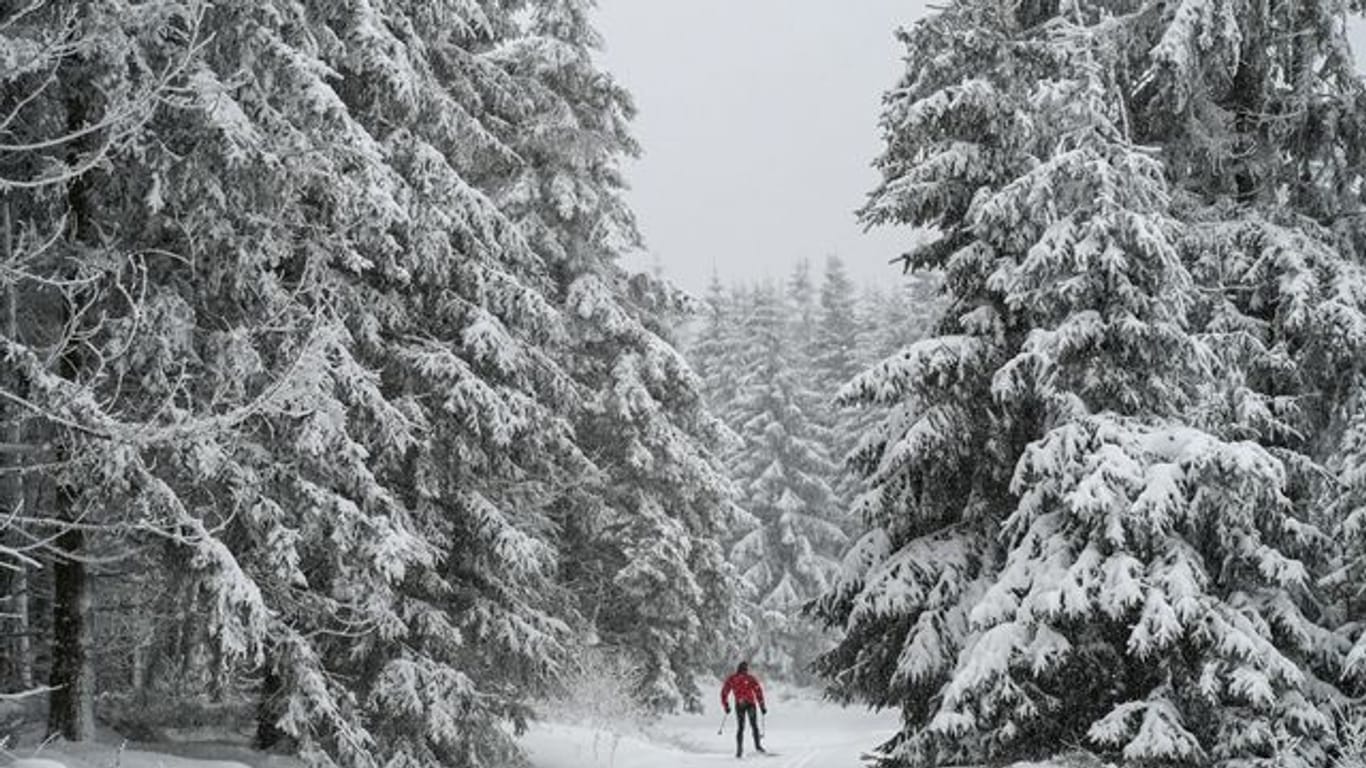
{"x": 723, "y": 723}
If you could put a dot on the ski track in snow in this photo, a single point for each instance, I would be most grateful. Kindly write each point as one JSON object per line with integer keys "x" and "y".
{"x": 802, "y": 731}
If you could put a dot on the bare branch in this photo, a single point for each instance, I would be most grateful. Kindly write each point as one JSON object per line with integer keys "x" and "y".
{"x": 21, "y": 695}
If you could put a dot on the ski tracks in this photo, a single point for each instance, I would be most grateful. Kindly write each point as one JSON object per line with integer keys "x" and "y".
{"x": 821, "y": 756}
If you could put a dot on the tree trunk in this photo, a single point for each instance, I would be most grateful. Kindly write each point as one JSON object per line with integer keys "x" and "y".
{"x": 71, "y": 707}
{"x": 23, "y": 642}
{"x": 139, "y": 680}
{"x": 218, "y": 673}
{"x": 269, "y": 709}
{"x": 13, "y": 497}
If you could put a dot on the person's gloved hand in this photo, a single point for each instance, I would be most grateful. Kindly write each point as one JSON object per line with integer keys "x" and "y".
{"x": 727, "y": 710}
{"x": 763, "y": 709}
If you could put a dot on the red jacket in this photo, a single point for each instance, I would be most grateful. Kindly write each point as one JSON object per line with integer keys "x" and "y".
{"x": 746, "y": 687}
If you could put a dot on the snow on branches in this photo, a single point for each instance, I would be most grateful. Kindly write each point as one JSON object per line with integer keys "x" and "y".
{"x": 1097, "y": 503}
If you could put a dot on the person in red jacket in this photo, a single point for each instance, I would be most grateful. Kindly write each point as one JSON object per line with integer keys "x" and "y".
{"x": 748, "y": 694}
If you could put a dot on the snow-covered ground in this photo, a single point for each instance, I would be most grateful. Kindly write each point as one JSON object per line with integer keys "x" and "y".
{"x": 802, "y": 732}
{"x": 103, "y": 755}
{"x": 22, "y": 746}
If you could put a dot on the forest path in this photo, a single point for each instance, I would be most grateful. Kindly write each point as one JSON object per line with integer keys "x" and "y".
{"x": 801, "y": 731}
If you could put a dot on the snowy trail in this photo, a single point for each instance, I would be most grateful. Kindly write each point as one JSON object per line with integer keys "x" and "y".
{"x": 802, "y": 732}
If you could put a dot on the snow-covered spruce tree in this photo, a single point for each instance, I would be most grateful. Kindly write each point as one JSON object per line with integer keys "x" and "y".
{"x": 834, "y": 362}
{"x": 871, "y": 323}
{"x": 718, "y": 348}
{"x": 892, "y": 317}
{"x": 888, "y": 319}
{"x": 458, "y": 310}
{"x": 1347, "y": 580}
{"x": 1276, "y": 237}
{"x": 836, "y": 338}
{"x": 802, "y": 310}
{"x": 789, "y": 555}
{"x": 81, "y": 82}
{"x": 1065, "y": 546}
{"x": 335, "y": 389}
{"x": 641, "y": 540}
{"x": 1280, "y": 235}
{"x": 128, "y": 404}
{"x": 398, "y": 537}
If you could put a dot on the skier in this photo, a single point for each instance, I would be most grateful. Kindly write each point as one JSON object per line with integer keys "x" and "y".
{"x": 748, "y": 693}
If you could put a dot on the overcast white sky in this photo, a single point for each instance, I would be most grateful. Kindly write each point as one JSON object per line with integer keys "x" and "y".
{"x": 759, "y": 124}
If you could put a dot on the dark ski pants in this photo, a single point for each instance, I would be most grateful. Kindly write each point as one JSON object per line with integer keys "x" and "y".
{"x": 743, "y": 708}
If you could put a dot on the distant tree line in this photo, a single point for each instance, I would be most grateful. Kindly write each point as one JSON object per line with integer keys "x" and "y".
{"x": 773, "y": 359}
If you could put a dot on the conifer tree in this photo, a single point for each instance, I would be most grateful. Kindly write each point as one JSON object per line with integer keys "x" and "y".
{"x": 1064, "y": 544}
{"x": 802, "y": 310}
{"x": 834, "y": 363}
{"x": 719, "y": 345}
{"x": 836, "y": 328}
{"x": 788, "y": 556}
{"x": 892, "y": 317}
{"x": 444, "y": 628}
{"x": 314, "y": 360}
{"x": 642, "y": 547}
